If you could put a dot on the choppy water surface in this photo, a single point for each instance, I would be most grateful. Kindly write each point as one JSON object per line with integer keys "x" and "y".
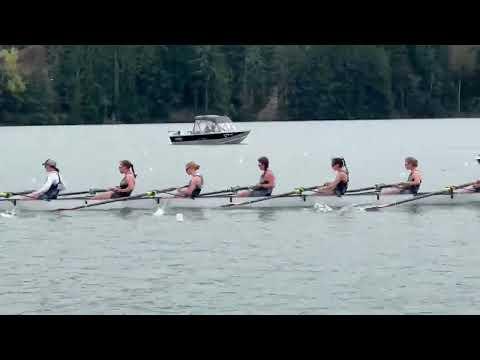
{"x": 414, "y": 260}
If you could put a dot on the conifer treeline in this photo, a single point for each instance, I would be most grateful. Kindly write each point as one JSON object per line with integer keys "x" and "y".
{"x": 92, "y": 84}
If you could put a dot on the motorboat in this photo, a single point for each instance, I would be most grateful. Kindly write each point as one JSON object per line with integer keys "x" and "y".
{"x": 210, "y": 130}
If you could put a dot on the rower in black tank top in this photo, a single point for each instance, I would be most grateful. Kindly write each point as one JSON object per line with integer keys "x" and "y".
{"x": 411, "y": 189}
{"x": 123, "y": 185}
{"x": 198, "y": 189}
{"x": 341, "y": 188}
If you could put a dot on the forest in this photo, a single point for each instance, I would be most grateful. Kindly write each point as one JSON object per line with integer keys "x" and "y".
{"x": 115, "y": 84}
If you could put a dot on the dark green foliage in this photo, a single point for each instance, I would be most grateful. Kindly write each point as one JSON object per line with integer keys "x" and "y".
{"x": 93, "y": 84}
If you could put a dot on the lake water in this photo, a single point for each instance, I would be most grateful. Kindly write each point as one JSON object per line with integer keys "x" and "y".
{"x": 403, "y": 261}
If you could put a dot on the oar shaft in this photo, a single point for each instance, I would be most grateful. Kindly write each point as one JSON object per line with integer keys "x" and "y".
{"x": 376, "y": 187}
{"x": 232, "y": 189}
{"x": 8, "y": 194}
{"x": 271, "y": 197}
{"x": 416, "y": 198}
{"x": 91, "y": 191}
{"x": 150, "y": 194}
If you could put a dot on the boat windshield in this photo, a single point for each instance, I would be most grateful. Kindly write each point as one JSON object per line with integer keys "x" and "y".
{"x": 213, "y": 125}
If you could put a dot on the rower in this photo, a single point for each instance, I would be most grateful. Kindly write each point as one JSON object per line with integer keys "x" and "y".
{"x": 53, "y": 185}
{"x": 195, "y": 186}
{"x": 339, "y": 186}
{"x": 412, "y": 185}
{"x": 266, "y": 184}
{"x": 127, "y": 185}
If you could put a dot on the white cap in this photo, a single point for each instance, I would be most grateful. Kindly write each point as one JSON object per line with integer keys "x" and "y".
{"x": 50, "y": 162}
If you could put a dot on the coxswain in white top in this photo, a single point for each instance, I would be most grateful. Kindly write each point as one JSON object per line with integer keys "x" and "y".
{"x": 53, "y": 185}
{"x": 195, "y": 186}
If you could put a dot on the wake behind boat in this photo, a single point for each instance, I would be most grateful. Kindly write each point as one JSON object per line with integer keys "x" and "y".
{"x": 218, "y": 202}
{"x": 210, "y": 130}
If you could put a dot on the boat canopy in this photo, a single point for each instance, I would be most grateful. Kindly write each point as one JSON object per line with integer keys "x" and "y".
{"x": 212, "y": 124}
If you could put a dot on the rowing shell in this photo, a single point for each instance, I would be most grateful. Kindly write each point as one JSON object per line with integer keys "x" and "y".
{"x": 305, "y": 201}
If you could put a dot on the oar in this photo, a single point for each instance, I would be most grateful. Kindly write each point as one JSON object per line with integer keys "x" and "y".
{"x": 171, "y": 189}
{"x": 91, "y": 192}
{"x": 149, "y": 194}
{"x": 416, "y": 198}
{"x": 232, "y": 189}
{"x": 7, "y": 195}
{"x": 376, "y": 187}
{"x": 298, "y": 191}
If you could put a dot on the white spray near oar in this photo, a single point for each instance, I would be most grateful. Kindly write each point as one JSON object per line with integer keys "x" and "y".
{"x": 322, "y": 208}
{"x": 180, "y": 217}
{"x": 159, "y": 212}
{"x": 8, "y": 214}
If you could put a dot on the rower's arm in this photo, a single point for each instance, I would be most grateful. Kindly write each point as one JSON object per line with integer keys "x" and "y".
{"x": 417, "y": 180}
{"x": 332, "y": 185}
{"x": 44, "y": 188}
{"x": 196, "y": 182}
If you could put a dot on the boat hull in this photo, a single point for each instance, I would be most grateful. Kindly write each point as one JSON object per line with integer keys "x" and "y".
{"x": 210, "y": 139}
{"x": 220, "y": 201}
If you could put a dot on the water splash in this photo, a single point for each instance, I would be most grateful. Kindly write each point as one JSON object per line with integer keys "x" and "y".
{"x": 322, "y": 208}
{"x": 159, "y": 212}
{"x": 8, "y": 214}
{"x": 180, "y": 217}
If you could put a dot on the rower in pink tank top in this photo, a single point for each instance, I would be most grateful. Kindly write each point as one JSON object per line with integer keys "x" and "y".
{"x": 266, "y": 184}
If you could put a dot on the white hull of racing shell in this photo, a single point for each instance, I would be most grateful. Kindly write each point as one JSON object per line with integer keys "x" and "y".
{"x": 220, "y": 202}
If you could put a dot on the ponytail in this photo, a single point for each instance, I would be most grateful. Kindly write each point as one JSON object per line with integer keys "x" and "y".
{"x": 346, "y": 167}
